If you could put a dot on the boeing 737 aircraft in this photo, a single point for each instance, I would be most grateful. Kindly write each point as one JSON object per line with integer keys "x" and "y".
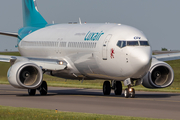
{"x": 111, "y": 52}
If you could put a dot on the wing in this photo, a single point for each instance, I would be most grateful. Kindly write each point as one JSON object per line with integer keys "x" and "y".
{"x": 9, "y": 34}
{"x": 167, "y": 57}
{"x": 47, "y": 64}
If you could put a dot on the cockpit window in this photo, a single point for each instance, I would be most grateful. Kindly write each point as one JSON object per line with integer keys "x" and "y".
{"x": 144, "y": 43}
{"x": 121, "y": 44}
{"x": 132, "y": 43}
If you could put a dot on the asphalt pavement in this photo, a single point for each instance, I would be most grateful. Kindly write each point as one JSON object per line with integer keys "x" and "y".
{"x": 145, "y": 104}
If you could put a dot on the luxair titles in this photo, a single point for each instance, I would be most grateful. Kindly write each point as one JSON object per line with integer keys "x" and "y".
{"x": 93, "y": 36}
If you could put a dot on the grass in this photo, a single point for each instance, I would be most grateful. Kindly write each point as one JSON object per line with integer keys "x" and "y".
{"x": 13, "y": 113}
{"x": 95, "y": 84}
{"x": 10, "y": 53}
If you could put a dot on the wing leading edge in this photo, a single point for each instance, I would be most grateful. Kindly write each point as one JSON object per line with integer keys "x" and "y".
{"x": 167, "y": 57}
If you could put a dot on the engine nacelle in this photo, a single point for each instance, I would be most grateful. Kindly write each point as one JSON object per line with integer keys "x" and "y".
{"x": 25, "y": 75}
{"x": 160, "y": 75}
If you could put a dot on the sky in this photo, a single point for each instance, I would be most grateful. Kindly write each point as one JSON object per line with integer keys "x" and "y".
{"x": 158, "y": 19}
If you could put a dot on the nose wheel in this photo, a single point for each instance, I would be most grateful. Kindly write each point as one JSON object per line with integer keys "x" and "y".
{"x": 129, "y": 92}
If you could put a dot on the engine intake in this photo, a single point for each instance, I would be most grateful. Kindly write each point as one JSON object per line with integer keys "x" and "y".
{"x": 25, "y": 75}
{"x": 160, "y": 75}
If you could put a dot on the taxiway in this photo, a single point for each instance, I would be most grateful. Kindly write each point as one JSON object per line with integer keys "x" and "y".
{"x": 146, "y": 104}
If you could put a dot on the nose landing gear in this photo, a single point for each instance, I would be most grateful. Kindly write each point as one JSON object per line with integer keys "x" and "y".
{"x": 129, "y": 92}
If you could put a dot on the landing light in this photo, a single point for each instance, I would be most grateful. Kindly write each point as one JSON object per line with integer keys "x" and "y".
{"x": 130, "y": 90}
{"x": 60, "y": 63}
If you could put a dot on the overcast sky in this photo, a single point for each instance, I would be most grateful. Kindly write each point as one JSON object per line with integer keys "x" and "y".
{"x": 158, "y": 19}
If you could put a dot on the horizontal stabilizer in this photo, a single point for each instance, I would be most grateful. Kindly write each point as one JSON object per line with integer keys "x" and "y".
{"x": 9, "y": 34}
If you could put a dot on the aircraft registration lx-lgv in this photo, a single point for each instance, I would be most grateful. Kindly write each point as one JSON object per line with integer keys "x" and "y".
{"x": 111, "y": 52}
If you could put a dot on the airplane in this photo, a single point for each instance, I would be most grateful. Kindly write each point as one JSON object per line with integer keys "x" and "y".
{"x": 111, "y": 52}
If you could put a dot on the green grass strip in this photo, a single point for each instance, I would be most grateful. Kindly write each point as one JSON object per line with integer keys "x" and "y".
{"x": 13, "y": 113}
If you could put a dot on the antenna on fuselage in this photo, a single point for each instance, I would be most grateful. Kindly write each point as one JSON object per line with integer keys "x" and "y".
{"x": 80, "y": 21}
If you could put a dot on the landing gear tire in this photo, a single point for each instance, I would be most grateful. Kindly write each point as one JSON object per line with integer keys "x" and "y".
{"x": 31, "y": 92}
{"x": 126, "y": 93}
{"x": 132, "y": 93}
{"x": 118, "y": 88}
{"x": 129, "y": 92}
{"x": 106, "y": 88}
{"x": 43, "y": 88}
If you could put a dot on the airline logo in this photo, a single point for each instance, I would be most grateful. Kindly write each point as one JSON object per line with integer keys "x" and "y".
{"x": 112, "y": 53}
{"x": 93, "y": 36}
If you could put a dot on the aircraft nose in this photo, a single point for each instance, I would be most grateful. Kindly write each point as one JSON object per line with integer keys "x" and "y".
{"x": 140, "y": 59}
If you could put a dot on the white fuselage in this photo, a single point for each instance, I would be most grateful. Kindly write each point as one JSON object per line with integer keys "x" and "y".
{"x": 91, "y": 50}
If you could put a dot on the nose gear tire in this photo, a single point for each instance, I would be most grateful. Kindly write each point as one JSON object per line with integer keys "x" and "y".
{"x": 126, "y": 93}
{"x": 132, "y": 94}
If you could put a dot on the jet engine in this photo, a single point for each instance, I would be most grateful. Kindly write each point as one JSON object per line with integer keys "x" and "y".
{"x": 25, "y": 75}
{"x": 160, "y": 75}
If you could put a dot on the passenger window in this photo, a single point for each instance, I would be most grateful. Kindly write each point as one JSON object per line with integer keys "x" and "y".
{"x": 121, "y": 44}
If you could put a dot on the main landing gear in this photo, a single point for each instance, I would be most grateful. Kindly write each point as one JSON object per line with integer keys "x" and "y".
{"x": 42, "y": 89}
{"x": 115, "y": 85}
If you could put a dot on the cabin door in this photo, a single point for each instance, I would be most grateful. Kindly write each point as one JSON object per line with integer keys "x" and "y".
{"x": 105, "y": 47}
